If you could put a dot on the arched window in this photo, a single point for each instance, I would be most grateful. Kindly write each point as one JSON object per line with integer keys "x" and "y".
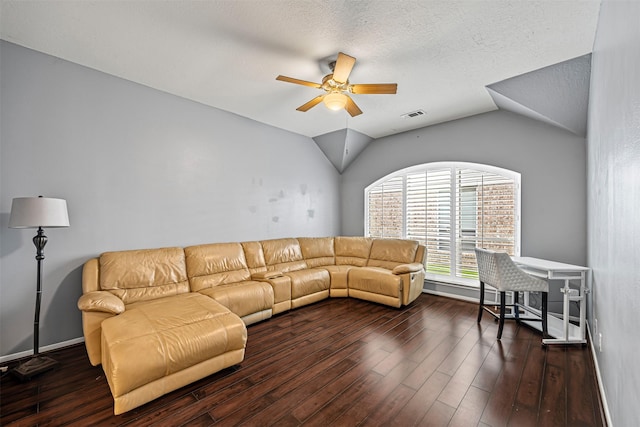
{"x": 451, "y": 207}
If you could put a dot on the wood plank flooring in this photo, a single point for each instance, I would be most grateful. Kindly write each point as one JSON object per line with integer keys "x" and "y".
{"x": 345, "y": 362}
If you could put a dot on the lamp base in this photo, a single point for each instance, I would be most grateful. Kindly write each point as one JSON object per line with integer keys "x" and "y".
{"x": 34, "y": 366}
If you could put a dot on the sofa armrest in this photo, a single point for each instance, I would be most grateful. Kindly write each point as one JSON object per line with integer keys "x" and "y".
{"x": 101, "y": 301}
{"x": 408, "y": 268}
{"x": 266, "y": 275}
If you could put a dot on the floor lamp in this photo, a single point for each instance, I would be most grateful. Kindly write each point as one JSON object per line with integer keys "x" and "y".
{"x": 37, "y": 212}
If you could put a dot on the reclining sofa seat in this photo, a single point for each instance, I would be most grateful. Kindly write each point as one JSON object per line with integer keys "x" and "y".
{"x": 394, "y": 274}
{"x": 220, "y": 271}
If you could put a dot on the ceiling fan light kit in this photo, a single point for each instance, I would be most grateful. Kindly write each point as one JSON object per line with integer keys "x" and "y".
{"x": 335, "y": 101}
{"x": 336, "y": 85}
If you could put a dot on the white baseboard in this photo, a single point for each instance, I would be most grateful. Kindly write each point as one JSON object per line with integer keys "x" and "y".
{"x": 603, "y": 396}
{"x": 450, "y": 295}
{"x": 14, "y": 356}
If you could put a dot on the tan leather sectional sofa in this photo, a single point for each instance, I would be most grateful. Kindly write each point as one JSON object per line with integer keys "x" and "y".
{"x": 158, "y": 319}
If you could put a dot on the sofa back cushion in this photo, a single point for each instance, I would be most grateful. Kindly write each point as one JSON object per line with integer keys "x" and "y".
{"x": 388, "y": 253}
{"x": 283, "y": 255}
{"x": 255, "y": 257}
{"x": 141, "y": 275}
{"x": 352, "y": 250}
{"x": 215, "y": 264}
{"x": 421, "y": 255}
{"x": 317, "y": 251}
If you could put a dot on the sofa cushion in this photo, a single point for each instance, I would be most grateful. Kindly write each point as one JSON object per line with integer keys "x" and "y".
{"x": 389, "y": 253}
{"x": 215, "y": 264}
{"x": 375, "y": 280}
{"x": 141, "y": 275}
{"x": 243, "y": 298}
{"x": 307, "y": 282}
{"x": 352, "y": 250}
{"x": 254, "y": 256}
{"x": 283, "y": 255}
{"x": 317, "y": 251}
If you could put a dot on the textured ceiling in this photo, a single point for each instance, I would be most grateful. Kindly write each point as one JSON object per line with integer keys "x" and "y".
{"x": 226, "y": 54}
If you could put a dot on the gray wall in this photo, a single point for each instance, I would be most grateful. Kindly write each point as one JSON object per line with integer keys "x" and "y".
{"x": 551, "y": 162}
{"x": 613, "y": 147}
{"x": 139, "y": 169}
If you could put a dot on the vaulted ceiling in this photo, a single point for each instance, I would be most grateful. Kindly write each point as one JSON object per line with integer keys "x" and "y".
{"x": 226, "y": 54}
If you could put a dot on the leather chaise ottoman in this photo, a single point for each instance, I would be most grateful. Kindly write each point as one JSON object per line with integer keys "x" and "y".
{"x": 161, "y": 345}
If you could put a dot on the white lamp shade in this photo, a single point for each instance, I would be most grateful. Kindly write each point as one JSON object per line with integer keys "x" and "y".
{"x": 335, "y": 101}
{"x": 34, "y": 212}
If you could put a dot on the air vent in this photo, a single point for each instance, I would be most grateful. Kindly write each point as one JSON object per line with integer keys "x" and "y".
{"x": 413, "y": 114}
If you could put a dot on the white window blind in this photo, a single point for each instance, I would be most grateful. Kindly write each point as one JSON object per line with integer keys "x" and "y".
{"x": 451, "y": 208}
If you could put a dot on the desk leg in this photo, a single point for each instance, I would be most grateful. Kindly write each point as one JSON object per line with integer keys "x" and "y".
{"x": 565, "y": 309}
{"x": 583, "y": 307}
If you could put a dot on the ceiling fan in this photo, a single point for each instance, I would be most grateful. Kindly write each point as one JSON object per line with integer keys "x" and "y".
{"x": 336, "y": 85}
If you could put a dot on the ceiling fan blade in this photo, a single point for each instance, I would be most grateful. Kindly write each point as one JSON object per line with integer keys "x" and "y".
{"x": 370, "y": 89}
{"x": 315, "y": 101}
{"x": 352, "y": 108}
{"x": 343, "y": 67}
{"x": 298, "y": 81}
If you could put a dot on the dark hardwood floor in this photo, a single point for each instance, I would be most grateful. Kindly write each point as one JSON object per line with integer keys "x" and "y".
{"x": 345, "y": 362}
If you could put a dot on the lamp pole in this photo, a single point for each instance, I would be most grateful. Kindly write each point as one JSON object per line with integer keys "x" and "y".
{"x": 39, "y": 240}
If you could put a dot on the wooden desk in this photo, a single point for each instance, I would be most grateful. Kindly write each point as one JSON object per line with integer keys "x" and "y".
{"x": 562, "y": 331}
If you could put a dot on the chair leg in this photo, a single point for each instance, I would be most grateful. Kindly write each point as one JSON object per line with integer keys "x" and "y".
{"x": 481, "y": 307}
{"x": 516, "y": 309}
{"x": 502, "y": 313}
{"x": 545, "y": 332}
